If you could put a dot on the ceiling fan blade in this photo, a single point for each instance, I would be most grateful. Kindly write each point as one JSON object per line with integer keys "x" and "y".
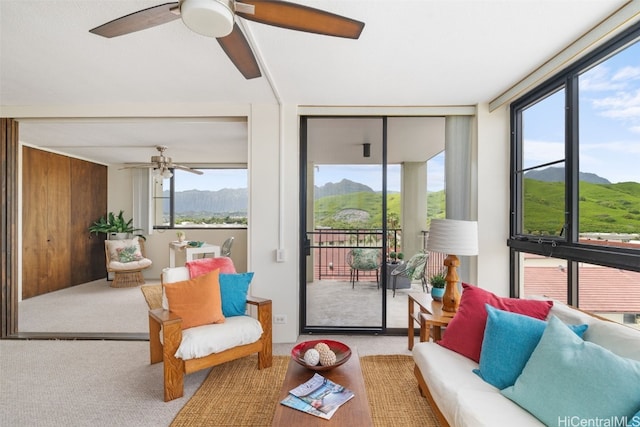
{"x": 302, "y": 18}
{"x": 237, "y": 48}
{"x": 186, "y": 169}
{"x": 138, "y": 165}
{"x": 140, "y": 20}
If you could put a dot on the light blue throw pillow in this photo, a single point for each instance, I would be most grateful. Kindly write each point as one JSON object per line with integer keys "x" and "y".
{"x": 233, "y": 292}
{"x": 509, "y": 340}
{"x": 635, "y": 421}
{"x": 569, "y": 380}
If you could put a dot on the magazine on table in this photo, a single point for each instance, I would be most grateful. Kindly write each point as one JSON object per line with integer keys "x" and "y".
{"x": 319, "y": 396}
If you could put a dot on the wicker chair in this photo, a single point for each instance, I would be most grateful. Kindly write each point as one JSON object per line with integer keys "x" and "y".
{"x": 126, "y": 259}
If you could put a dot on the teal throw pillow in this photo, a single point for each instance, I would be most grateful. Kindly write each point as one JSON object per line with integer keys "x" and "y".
{"x": 233, "y": 292}
{"x": 634, "y": 421}
{"x": 568, "y": 380}
{"x": 509, "y": 340}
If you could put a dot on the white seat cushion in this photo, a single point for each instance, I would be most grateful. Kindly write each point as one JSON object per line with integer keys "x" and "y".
{"x": 204, "y": 340}
{"x": 128, "y": 266}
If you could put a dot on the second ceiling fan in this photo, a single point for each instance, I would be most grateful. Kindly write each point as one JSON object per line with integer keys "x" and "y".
{"x": 216, "y": 18}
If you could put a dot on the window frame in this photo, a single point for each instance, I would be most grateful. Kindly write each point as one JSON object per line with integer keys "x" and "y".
{"x": 566, "y": 246}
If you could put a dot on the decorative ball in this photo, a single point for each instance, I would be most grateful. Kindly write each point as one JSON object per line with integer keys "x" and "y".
{"x": 312, "y": 357}
{"x": 327, "y": 358}
{"x": 322, "y": 346}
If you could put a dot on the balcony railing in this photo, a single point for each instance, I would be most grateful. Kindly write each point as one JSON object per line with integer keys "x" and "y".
{"x": 330, "y": 247}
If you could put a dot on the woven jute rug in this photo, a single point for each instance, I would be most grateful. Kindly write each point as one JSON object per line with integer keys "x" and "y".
{"x": 238, "y": 394}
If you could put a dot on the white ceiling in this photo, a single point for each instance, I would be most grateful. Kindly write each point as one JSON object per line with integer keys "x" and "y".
{"x": 410, "y": 53}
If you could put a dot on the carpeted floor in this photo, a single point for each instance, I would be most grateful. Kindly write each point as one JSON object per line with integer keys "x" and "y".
{"x": 238, "y": 394}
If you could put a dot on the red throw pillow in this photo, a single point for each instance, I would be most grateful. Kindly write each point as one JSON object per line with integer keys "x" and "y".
{"x": 197, "y": 301}
{"x": 205, "y": 265}
{"x": 465, "y": 332}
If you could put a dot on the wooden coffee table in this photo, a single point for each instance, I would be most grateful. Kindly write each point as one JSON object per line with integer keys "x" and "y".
{"x": 355, "y": 412}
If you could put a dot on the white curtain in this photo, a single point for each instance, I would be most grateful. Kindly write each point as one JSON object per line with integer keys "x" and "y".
{"x": 142, "y": 193}
{"x": 460, "y": 168}
{"x": 461, "y": 180}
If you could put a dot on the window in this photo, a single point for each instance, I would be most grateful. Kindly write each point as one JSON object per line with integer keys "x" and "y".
{"x": 575, "y": 188}
{"x": 217, "y": 198}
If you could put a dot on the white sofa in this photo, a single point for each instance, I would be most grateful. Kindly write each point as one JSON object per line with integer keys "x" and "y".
{"x": 459, "y": 397}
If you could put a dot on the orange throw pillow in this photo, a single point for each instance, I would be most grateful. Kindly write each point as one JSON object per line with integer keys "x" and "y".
{"x": 197, "y": 301}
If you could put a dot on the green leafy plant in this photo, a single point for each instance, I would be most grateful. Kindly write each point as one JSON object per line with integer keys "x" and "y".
{"x": 438, "y": 280}
{"x": 113, "y": 224}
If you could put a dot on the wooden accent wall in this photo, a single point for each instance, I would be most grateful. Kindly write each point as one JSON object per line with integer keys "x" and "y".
{"x": 61, "y": 198}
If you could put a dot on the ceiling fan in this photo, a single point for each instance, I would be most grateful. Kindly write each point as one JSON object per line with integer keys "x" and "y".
{"x": 215, "y": 18}
{"x": 162, "y": 165}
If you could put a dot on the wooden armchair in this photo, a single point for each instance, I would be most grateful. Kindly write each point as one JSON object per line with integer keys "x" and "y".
{"x": 168, "y": 324}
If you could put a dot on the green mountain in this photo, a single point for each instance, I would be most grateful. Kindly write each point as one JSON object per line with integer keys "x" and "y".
{"x": 556, "y": 174}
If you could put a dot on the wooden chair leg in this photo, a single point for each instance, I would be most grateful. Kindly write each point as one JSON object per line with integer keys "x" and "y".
{"x": 155, "y": 346}
{"x": 173, "y": 367}
{"x": 265, "y": 355}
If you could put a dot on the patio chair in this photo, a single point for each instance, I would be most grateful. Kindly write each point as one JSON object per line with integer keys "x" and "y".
{"x": 414, "y": 269}
{"x": 225, "y": 250}
{"x": 364, "y": 259}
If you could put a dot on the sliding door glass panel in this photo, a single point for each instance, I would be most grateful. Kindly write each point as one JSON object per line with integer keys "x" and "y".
{"x": 344, "y": 224}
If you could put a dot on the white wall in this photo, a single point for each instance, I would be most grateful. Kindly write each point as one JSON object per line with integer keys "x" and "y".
{"x": 493, "y": 199}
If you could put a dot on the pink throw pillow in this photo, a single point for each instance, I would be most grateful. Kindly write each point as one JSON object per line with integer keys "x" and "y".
{"x": 201, "y": 266}
{"x": 465, "y": 332}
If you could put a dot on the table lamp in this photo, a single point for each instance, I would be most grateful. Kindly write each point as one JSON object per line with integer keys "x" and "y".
{"x": 452, "y": 237}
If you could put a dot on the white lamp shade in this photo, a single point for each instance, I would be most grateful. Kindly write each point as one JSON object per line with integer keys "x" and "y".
{"x": 211, "y": 18}
{"x": 454, "y": 237}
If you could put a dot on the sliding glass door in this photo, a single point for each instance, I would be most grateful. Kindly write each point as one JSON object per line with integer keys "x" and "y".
{"x": 344, "y": 215}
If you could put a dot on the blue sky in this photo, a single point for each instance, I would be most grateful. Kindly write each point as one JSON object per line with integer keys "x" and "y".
{"x": 609, "y": 121}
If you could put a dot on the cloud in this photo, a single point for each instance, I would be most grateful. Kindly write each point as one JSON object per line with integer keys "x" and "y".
{"x": 539, "y": 152}
{"x": 599, "y": 79}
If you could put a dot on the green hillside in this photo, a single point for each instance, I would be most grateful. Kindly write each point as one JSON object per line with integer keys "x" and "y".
{"x": 604, "y": 208}
{"x": 342, "y": 211}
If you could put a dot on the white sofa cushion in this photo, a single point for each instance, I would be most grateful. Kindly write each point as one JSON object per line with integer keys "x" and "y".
{"x": 463, "y": 397}
{"x": 204, "y": 340}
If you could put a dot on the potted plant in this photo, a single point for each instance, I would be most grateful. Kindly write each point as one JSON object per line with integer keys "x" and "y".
{"x": 114, "y": 225}
{"x": 396, "y": 257}
{"x": 438, "y": 283}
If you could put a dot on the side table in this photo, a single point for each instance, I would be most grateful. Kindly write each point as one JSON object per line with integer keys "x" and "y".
{"x": 429, "y": 317}
{"x": 190, "y": 251}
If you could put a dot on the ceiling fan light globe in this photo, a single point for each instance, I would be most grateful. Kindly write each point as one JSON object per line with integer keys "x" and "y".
{"x": 167, "y": 174}
{"x": 211, "y": 18}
